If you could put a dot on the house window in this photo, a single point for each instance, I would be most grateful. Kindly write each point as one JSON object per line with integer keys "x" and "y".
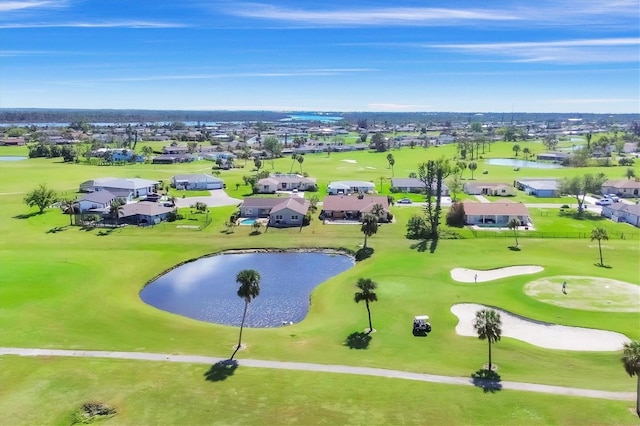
{"x": 248, "y": 211}
{"x": 294, "y": 217}
{"x": 278, "y": 217}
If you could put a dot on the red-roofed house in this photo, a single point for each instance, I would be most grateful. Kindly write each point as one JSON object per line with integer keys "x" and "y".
{"x": 622, "y": 188}
{"x": 351, "y": 207}
{"x": 495, "y": 214}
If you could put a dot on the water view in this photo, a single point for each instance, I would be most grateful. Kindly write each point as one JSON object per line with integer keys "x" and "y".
{"x": 206, "y": 289}
{"x": 12, "y": 158}
{"x": 522, "y": 163}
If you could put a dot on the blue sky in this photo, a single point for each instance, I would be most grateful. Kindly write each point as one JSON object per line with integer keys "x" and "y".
{"x": 523, "y": 56}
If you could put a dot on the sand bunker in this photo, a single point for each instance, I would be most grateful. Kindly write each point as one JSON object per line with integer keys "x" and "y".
{"x": 545, "y": 335}
{"x": 350, "y": 161}
{"x": 465, "y": 275}
{"x": 586, "y": 293}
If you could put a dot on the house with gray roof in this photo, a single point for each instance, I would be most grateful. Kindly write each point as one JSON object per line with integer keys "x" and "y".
{"x": 414, "y": 185}
{"x": 621, "y": 188}
{"x": 497, "y": 214}
{"x": 194, "y": 181}
{"x": 285, "y": 182}
{"x": 99, "y": 201}
{"x": 622, "y": 212}
{"x": 541, "y": 188}
{"x": 132, "y": 187}
{"x": 350, "y": 186}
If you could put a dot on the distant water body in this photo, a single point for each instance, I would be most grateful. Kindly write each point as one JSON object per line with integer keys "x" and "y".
{"x": 11, "y": 158}
{"x": 312, "y": 117}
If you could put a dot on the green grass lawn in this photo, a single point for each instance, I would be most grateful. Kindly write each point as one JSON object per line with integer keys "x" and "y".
{"x": 46, "y": 391}
{"x": 78, "y": 289}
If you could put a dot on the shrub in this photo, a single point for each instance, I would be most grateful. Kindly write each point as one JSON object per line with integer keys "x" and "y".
{"x": 565, "y": 206}
{"x": 417, "y": 228}
{"x": 455, "y": 215}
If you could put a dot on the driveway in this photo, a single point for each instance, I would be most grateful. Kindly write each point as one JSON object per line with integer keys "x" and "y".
{"x": 217, "y": 198}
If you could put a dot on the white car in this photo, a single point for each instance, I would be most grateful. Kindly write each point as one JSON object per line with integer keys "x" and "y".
{"x": 604, "y": 202}
{"x": 612, "y": 197}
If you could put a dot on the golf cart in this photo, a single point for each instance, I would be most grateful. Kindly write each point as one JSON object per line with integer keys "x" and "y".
{"x": 421, "y": 325}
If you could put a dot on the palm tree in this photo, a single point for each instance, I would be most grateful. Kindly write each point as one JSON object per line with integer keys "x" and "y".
{"x": 294, "y": 157}
{"x": 473, "y": 166}
{"x": 516, "y": 149}
{"x": 369, "y": 227}
{"x": 630, "y": 173}
{"x": 599, "y": 234}
{"x": 69, "y": 207}
{"x": 631, "y": 361}
{"x": 526, "y": 151}
{"x": 392, "y": 162}
{"x": 249, "y": 280}
{"x": 461, "y": 166}
{"x": 488, "y": 326}
{"x": 377, "y": 210}
{"x": 513, "y": 224}
{"x": 366, "y": 293}
{"x": 300, "y": 161}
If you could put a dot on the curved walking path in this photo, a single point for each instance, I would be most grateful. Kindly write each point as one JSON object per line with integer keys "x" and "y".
{"x": 342, "y": 369}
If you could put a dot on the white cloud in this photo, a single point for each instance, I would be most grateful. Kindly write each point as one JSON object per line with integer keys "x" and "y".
{"x": 104, "y": 24}
{"x": 605, "y": 50}
{"x": 369, "y": 17}
{"x": 10, "y": 6}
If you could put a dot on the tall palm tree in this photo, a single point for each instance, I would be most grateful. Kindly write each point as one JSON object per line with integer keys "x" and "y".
{"x": 631, "y": 361}
{"x": 378, "y": 210}
{"x": 249, "y": 280}
{"x": 366, "y": 293}
{"x": 69, "y": 207}
{"x": 599, "y": 234}
{"x": 294, "y": 157}
{"x": 526, "y": 151}
{"x": 473, "y": 166}
{"x": 514, "y": 224}
{"x": 300, "y": 161}
{"x": 516, "y": 149}
{"x": 369, "y": 227}
{"x": 488, "y": 326}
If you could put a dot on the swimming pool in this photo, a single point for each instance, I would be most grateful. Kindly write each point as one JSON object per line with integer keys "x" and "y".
{"x": 250, "y": 221}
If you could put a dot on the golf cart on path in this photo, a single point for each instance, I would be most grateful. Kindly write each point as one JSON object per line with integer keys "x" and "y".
{"x": 421, "y": 325}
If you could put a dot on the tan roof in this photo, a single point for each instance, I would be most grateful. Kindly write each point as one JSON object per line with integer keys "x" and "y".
{"x": 353, "y": 202}
{"x": 499, "y": 208}
{"x": 623, "y": 184}
{"x": 298, "y": 205}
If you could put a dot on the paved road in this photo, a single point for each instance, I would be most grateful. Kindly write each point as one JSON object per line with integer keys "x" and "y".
{"x": 341, "y": 369}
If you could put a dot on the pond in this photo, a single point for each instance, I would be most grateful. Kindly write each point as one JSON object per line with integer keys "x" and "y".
{"x": 206, "y": 288}
{"x": 522, "y": 163}
{"x": 12, "y": 158}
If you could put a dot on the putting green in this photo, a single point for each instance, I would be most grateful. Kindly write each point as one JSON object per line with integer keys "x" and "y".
{"x": 586, "y": 293}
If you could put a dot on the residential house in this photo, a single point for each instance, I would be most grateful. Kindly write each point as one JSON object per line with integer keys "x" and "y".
{"x": 282, "y": 212}
{"x": 99, "y": 201}
{"x": 541, "y": 188}
{"x": 487, "y": 188}
{"x": 414, "y": 185}
{"x": 196, "y": 182}
{"x": 622, "y": 188}
{"x": 144, "y": 213}
{"x": 495, "y": 214}
{"x": 622, "y": 212}
{"x": 557, "y": 157}
{"x": 173, "y": 158}
{"x": 175, "y": 149}
{"x": 350, "y": 186}
{"x": 126, "y": 188}
{"x": 351, "y": 207}
{"x": 285, "y": 182}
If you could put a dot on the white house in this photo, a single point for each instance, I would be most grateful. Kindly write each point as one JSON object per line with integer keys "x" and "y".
{"x": 285, "y": 182}
{"x": 196, "y": 181}
{"x": 345, "y": 187}
{"x": 621, "y": 212}
{"x": 99, "y": 201}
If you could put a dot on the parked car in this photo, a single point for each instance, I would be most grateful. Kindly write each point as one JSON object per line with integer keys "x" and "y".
{"x": 404, "y": 201}
{"x": 612, "y": 197}
{"x": 604, "y": 202}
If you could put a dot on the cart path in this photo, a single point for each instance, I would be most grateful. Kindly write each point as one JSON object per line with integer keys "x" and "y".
{"x": 341, "y": 369}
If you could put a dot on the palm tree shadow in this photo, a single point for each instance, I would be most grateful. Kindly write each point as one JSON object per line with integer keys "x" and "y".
{"x": 221, "y": 370}
{"x": 488, "y": 381}
{"x": 26, "y": 215}
{"x": 420, "y": 246}
{"x": 514, "y": 248}
{"x": 600, "y": 265}
{"x": 358, "y": 340}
